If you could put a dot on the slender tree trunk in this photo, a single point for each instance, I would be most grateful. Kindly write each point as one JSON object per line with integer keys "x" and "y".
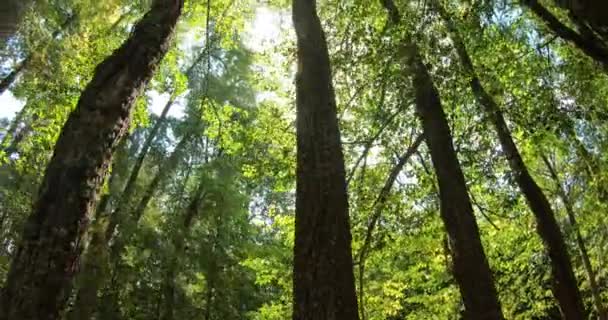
{"x": 125, "y": 197}
{"x": 163, "y": 173}
{"x": 23, "y": 65}
{"x": 324, "y": 282}
{"x": 565, "y": 288}
{"x": 192, "y": 212}
{"x": 47, "y": 257}
{"x": 470, "y": 265}
{"x": 378, "y": 207}
{"x": 592, "y": 46}
{"x": 595, "y": 290}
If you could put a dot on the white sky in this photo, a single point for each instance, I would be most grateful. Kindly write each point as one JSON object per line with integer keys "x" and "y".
{"x": 262, "y": 34}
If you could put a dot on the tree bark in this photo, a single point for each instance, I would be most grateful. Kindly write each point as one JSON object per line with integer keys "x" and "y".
{"x": 324, "y": 283}
{"x": 11, "y": 12}
{"x": 592, "y": 46}
{"x": 470, "y": 265}
{"x": 564, "y": 285}
{"x": 591, "y": 14}
{"x": 47, "y": 258}
{"x": 595, "y": 289}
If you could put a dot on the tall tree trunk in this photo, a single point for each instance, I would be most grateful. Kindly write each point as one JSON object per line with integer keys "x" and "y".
{"x": 377, "y": 208}
{"x": 591, "y": 14}
{"x": 470, "y": 265}
{"x": 592, "y": 46}
{"x": 565, "y": 288}
{"x": 324, "y": 283}
{"x": 47, "y": 257}
{"x": 11, "y": 12}
{"x": 127, "y": 193}
{"x": 179, "y": 245}
{"x": 595, "y": 290}
{"x": 9, "y": 79}
{"x": 163, "y": 173}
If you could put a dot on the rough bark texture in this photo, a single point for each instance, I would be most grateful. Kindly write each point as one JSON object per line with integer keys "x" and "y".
{"x": 591, "y": 45}
{"x": 580, "y": 242}
{"x": 47, "y": 257}
{"x": 324, "y": 283}
{"x": 470, "y": 265}
{"x": 564, "y": 285}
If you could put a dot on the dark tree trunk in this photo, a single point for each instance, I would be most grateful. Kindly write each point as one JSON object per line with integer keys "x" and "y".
{"x": 9, "y": 79}
{"x": 47, "y": 258}
{"x": 565, "y": 288}
{"x": 470, "y": 265}
{"x": 192, "y": 211}
{"x": 125, "y": 197}
{"x": 163, "y": 173}
{"x": 580, "y": 242}
{"x": 588, "y": 14}
{"x": 11, "y": 12}
{"x": 324, "y": 283}
{"x": 591, "y": 45}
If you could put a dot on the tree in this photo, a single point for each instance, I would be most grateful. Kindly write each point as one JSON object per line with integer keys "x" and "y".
{"x": 48, "y": 255}
{"x": 324, "y": 283}
{"x": 11, "y": 12}
{"x": 471, "y": 268}
{"x": 565, "y": 287}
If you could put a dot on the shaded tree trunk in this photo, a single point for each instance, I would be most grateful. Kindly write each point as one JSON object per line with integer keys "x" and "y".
{"x": 592, "y": 46}
{"x": 470, "y": 265}
{"x": 9, "y": 79}
{"x": 595, "y": 290}
{"x": 11, "y": 12}
{"x": 179, "y": 245}
{"x": 588, "y": 14}
{"x": 127, "y": 193}
{"x": 324, "y": 283}
{"x": 163, "y": 173}
{"x": 47, "y": 258}
{"x": 564, "y": 285}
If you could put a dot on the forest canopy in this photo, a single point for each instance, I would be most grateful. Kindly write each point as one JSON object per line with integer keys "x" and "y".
{"x": 304, "y": 159}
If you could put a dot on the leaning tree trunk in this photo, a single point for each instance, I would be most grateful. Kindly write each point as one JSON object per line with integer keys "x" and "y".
{"x": 470, "y": 265}
{"x": 588, "y": 14}
{"x": 47, "y": 258}
{"x": 564, "y": 285}
{"x": 588, "y": 43}
{"x": 580, "y": 242}
{"x": 324, "y": 282}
